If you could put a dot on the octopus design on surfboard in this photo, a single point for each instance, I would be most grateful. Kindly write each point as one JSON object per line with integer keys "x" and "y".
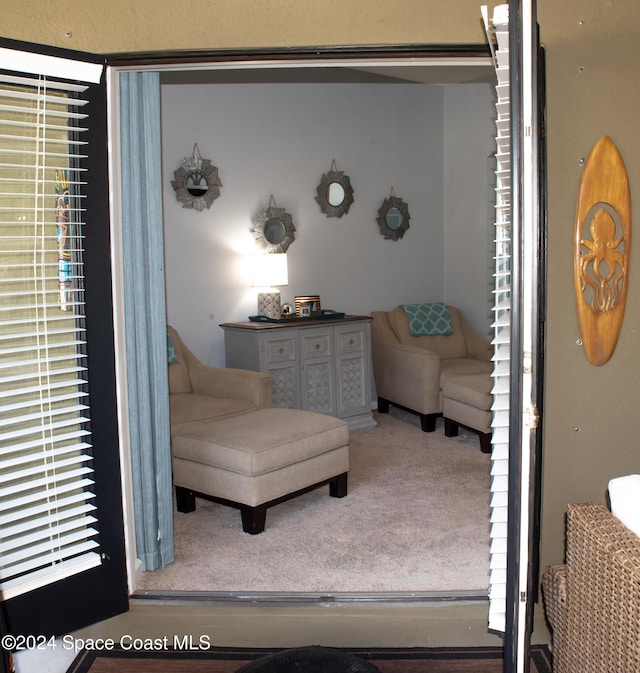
{"x": 602, "y": 250}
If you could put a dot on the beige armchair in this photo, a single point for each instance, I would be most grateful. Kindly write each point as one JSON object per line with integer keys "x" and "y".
{"x": 200, "y": 392}
{"x": 592, "y": 602}
{"x": 410, "y": 371}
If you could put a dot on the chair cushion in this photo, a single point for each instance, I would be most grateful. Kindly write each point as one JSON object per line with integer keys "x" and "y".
{"x": 450, "y": 346}
{"x": 455, "y": 368}
{"x": 473, "y": 390}
{"x": 189, "y": 407}
{"x": 260, "y": 442}
{"x": 624, "y": 493}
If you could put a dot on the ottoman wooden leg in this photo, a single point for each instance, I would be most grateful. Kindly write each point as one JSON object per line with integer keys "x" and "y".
{"x": 253, "y": 519}
{"x": 338, "y": 486}
{"x": 450, "y": 428}
{"x": 485, "y": 442}
{"x": 185, "y": 500}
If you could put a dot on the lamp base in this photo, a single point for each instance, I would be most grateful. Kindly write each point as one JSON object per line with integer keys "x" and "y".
{"x": 269, "y": 304}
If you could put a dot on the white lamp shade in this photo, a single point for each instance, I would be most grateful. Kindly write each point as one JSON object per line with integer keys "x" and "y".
{"x": 270, "y": 270}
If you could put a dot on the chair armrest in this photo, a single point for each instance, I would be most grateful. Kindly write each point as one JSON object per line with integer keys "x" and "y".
{"x": 411, "y": 378}
{"x": 243, "y": 384}
{"x": 404, "y": 374}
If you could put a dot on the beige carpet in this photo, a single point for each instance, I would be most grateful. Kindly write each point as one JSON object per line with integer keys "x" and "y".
{"x": 416, "y": 519}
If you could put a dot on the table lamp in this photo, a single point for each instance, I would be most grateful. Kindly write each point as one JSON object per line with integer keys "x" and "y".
{"x": 269, "y": 270}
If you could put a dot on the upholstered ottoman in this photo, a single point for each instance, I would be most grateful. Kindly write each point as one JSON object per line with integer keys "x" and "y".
{"x": 467, "y": 401}
{"x": 259, "y": 459}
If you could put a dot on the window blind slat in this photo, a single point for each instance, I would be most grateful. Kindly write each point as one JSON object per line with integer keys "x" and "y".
{"x": 59, "y": 114}
{"x": 52, "y": 372}
{"x": 37, "y": 443}
{"x": 63, "y": 142}
{"x": 69, "y": 87}
{"x": 46, "y": 481}
{"x": 41, "y": 388}
{"x": 56, "y": 530}
{"x": 51, "y": 98}
{"x": 50, "y": 574}
{"x": 36, "y": 509}
{"x": 15, "y": 349}
{"x": 50, "y": 358}
{"x": 45, "y": 555}
{"x": 52, "y": 399}
{"x": 49, "y": 458}
{"x": 62, "y": 489}
{"x": 11, "y": 461}
{"x": 50, "y": 518}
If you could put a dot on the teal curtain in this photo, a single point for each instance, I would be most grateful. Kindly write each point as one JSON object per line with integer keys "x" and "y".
{"x": 145, "y": 316}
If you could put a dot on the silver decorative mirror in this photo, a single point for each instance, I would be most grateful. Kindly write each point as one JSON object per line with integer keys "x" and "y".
{"x": 196, "y": 182}
{"x": 393, "y": 217}
{"x": 335, "y": 193}
{"x": 273, "y": 228}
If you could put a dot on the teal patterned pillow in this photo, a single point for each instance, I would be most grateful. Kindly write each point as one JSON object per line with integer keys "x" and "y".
{"x": 172, "y": 358}
{"x": 429, "y": 319}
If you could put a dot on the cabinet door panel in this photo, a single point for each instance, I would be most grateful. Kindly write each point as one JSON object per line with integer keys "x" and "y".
{"x": 318, "y": 387}
{"x": 286, "y": 391}
{"x": 352, "y": 384}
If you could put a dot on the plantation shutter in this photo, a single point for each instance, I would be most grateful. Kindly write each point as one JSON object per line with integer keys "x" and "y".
{"x": 518, "y": 325}
{"x": 498, "y": 28}
{"x": 50, "y": 529}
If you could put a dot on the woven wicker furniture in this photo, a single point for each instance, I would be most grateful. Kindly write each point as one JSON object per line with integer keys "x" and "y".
{"x": 592, "y": 602}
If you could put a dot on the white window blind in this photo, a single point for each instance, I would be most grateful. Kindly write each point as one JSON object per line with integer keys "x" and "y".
{"x": 47, "y": 527}
{"x": 498, "y": 34}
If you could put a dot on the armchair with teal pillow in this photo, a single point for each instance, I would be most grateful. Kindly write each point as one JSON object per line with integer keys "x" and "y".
{"x": 416, "y": 348}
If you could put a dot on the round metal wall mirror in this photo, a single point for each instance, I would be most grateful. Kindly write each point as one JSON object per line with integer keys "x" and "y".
{"x": 393, "y": 217}
{"x": 335, "y": 193}
{"x": 273, "y": 228}
{"x": 196, "y": 182}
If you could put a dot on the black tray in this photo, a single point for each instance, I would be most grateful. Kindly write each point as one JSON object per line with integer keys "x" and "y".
{"x": 323, "y": 316}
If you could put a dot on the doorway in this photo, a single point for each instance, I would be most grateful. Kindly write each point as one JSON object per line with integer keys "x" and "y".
{"x": 388, "y": 74}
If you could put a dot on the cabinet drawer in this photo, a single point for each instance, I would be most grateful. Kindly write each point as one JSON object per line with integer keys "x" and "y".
{"x": 316, "y": 344}
{"x": 280, "y": 350}
{"x": 350, "y": 340}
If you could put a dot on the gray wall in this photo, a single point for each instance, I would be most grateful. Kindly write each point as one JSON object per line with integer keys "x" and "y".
{"x": 429, "y": 143}
{"x": 469, "y": 198}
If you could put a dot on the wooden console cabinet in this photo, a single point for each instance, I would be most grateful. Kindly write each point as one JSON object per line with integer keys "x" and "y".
{"x": 322, "y": 366}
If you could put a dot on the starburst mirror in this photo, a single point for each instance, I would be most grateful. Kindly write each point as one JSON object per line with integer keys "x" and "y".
{"x": 273, "y": 228}
{"x": 335, "y": 193}
{"x": 196, "y": 182}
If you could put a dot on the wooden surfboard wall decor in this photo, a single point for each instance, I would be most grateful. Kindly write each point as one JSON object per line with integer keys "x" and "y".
{"x": 602, "y": 250}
